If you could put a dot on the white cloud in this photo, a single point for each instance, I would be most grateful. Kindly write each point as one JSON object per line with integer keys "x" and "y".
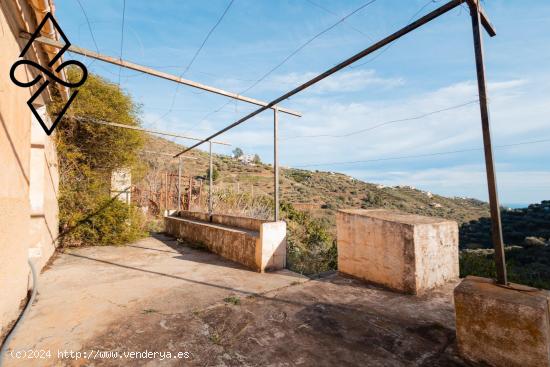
{"x": 513, "y": 117}
{"x": 345, "y": 81}
{"x": 519, "y": 111}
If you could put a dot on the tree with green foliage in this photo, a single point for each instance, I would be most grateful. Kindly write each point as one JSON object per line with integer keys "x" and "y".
{"x": 237, "y": 152}
{"x": 88, "y": 153}
{"x": 256, "y": 159}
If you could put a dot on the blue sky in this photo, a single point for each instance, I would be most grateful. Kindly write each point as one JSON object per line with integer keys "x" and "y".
{"x": 431, "y": 69}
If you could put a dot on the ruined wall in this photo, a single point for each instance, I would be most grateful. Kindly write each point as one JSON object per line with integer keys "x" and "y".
{"x": 28, "y": 174}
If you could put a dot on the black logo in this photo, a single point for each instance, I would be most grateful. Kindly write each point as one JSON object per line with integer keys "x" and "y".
{"x": 51, "y": 76}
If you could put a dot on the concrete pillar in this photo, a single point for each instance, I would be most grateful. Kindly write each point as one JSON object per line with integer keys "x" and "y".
{"x": 404, "y": 252}
{"x": 502, "y": 326}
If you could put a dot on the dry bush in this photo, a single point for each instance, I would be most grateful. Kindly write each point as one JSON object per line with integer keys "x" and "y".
{"x": 228, "y": 201}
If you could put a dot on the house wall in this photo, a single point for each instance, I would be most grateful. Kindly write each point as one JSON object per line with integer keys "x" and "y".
{"x": 28, "y": 174}
{"x": 43, "y": 193}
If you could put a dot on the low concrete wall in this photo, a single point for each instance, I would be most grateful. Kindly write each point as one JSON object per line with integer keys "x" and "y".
{"x": 502, "y": 326}
{"x": 193, "y": 215}
{"x": 271, "y": 253}
{"x": 405, "y": 252}
{"x": 252, "y": 224}
{"x": 260, "y": 250}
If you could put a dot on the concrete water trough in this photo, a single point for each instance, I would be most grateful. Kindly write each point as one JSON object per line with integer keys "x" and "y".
{"x": 258, "y": 244}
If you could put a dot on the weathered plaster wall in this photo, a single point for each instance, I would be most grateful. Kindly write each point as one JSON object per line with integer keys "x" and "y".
{"x": 28, "y": 173}
{"x": 14, "y": 181}
{"x": 272, "y": 253}
{"x": 251, "y": 224}
{"x": 436, "y": 253}
{"x": 43, "y": 193}
{"x": 364, "y": 241}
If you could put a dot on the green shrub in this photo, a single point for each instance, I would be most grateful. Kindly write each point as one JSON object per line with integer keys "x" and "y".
{"x": 114, "y": 223}
{"x": 311, "y": 248}
{"x": 298, "y": 175}
{"x": 87, "y": 154}
{"x": 529, "y": 266}
{"x": 215, "y": 173}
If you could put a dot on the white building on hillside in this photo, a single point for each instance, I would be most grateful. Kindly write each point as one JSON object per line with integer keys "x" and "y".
{"x": 246, "y": 159}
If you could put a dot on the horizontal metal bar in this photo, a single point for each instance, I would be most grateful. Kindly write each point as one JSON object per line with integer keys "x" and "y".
{"x": 108, "y": 123}
{"x": 378, "y": 45}
{"x": 150, "y": 71}
{"x": 167, "y": 154}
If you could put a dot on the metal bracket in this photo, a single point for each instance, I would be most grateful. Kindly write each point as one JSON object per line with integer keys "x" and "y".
{"x": 485, "y": 22}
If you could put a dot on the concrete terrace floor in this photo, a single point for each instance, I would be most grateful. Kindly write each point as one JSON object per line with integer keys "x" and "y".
{"x": 159, "y": 296}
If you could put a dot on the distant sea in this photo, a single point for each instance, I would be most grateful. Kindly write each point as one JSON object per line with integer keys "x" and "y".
{"x": 515, "y": 205}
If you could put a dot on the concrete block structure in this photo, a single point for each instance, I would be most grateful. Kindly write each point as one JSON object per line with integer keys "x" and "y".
{"x": 259, "y": 245}
{"x": 404, "y": 252}
{"x": 502, "y": 326}
{"x": 29, "y": 174}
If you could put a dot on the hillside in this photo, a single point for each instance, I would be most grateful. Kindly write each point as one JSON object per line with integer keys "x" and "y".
{"x": 527, "y": 237}
{"x": 320, "y": 193}
{"x": 309, "y": 200}
{"x": 527, "y": 227}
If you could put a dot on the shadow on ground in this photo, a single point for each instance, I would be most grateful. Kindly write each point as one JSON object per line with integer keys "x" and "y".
{"x": 156, "y": 295}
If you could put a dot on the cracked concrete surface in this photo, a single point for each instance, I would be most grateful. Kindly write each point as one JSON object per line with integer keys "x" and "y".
{"x": 158, "y": 296}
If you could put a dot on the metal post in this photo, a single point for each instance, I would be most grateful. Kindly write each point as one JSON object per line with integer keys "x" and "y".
{"x": 147, "y": 70}
{"x": 358, "y": 56}
{"x": 179, "y": 183}
{"x": 189, "y": 192}
{"x": 276, "y": 163}
{"x": 211, "y": 182}
{"x": 166, "y": 192}
{"x": 496, "y": 225}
